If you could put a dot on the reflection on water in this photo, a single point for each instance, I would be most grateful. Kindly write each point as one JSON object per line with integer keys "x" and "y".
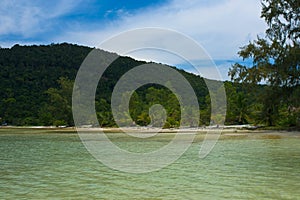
{"x": 47, "y": 166}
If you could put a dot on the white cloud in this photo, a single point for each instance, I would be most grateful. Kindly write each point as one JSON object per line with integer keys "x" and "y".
{"x": 27, "y": 17}
{"x": 220, "y": 26}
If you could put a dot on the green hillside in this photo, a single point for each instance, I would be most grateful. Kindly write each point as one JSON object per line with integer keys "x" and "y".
{"x": 36, "y": 87}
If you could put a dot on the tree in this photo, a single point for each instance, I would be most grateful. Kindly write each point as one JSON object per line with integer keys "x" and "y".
{"x": 276, "y": 57}
{"x": 58, "y": 110}
{"x": 104, "y": 113}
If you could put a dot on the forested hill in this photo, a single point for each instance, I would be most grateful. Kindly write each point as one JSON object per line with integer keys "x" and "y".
{"x": 27, "y": 72}
{"x": 29, "y": 75}
{"x": 36, "y": 85}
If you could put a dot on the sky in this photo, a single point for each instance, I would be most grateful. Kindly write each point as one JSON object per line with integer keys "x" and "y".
{"x": 221, "y": 27}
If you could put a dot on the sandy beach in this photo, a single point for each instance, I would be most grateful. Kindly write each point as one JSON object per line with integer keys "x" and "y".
{"x": 146, "y": 132}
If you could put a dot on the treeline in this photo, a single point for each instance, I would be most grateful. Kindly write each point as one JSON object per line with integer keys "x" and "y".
{"x": 276, "y": 62}
{"x": 37, "y": 82}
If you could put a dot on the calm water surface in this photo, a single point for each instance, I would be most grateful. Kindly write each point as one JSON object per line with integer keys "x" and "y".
{"x": 56, "y": 166}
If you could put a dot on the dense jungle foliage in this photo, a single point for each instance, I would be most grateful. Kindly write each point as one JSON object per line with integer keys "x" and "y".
{"x": 37, "y": 83}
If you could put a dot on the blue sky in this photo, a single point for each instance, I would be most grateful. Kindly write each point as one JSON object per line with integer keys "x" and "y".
{"x": 220, "y": 26}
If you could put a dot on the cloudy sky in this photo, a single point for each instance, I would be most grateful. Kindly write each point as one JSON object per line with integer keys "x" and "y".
{"x": 219, "y": 26}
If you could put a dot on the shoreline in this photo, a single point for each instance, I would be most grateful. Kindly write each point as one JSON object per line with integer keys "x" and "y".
{"x": 225, "y": 132}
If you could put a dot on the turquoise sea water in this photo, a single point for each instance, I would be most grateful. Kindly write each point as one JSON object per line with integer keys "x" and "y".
{"x": 57, "y": 166}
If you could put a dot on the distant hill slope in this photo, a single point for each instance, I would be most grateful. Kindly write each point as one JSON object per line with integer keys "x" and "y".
{"x": 27, "y": 72}
{"x": 36, "y": 84}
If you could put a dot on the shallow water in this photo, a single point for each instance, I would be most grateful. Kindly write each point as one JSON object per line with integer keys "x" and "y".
{"x": 56, "y": 166}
